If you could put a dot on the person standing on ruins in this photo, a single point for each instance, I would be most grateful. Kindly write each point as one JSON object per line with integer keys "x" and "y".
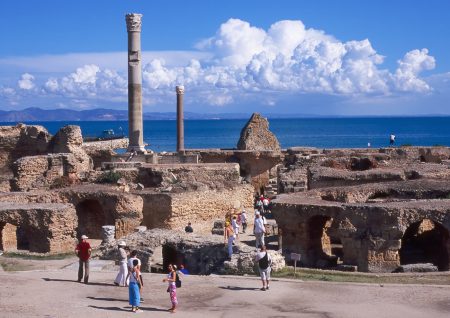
{"x": 121, "y": 278}
{"x": 259, "y": 229}
{"x": 229, "y": 238}
{"x": 391, "y": 140}
{"x": 244, "y": 221}
{"x": 83, "y": 251}
{"x": 188, "y": 228}
{"x": 235, "y": 226}
{"x": 264, "y": 262}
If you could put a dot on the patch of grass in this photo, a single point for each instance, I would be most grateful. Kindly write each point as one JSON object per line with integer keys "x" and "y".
{"x": 12, "y": 265}
{"x": 37, "y": 256}
{"x": 343, "y": 277}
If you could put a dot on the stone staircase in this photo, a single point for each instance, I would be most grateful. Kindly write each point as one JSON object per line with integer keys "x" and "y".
{"x": 271, "y": 190}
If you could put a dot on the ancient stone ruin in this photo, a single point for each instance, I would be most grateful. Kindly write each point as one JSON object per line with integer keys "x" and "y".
{"x": 369, "y": 210}
{"x": 366, "y": 210}
{"x": 256, "y": 135}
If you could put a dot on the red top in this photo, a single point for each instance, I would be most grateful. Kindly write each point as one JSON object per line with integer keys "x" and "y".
{"x": 83, "y": 250}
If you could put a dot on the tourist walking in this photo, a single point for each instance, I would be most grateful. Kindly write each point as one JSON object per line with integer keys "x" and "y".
{"x": 133, "y": 257}
{"x": 259, "y": 205}
{"x": 121, "y": 278}
{"x": 244, "y": 221}
{"x": 391, "y": 140}
{"x": 172, "y": 288}
{"x": 266, "y": 203}
{"x": 83, "y": 251}
{"x": 259, "y": 230}
{"x": 235, "y": 226}
{"x": 229, "y": 238}
{"x": 135, "y": 286}
{"x": 264, "y": 265}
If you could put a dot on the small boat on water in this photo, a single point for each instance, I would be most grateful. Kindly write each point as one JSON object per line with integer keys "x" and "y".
{"x": 107, "y": 134}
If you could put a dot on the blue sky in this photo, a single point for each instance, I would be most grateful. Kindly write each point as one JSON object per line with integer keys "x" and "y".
{"x": 303, "y": 57}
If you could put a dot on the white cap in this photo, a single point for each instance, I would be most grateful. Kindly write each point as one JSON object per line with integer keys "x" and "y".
{"x": 257, "y": 213}
{"x": 84, "y": 237}
{"x": 122, "y": 243}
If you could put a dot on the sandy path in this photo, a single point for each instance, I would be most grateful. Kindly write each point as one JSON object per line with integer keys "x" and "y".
{"x": 53, "y": 293}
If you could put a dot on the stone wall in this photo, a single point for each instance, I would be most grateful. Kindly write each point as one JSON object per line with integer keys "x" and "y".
{"x": 189, "y": 176}
{"x": 44, "y": 228}
{"x": 19, "y": 141}
{"x": 175, "y": 210}
{"x": 254, "y": 166}
{"x": 372, "y": 230}
{"x": 94, "y": 206}
{"x": 47, "y": 171}
{"x": 103, "y": 151}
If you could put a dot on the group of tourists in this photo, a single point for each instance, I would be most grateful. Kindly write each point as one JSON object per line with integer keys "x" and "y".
{"x": 234, "y": 222}
{"x": 130, "y": 265}
{"x": 129, "y": 273}
{"x": 262, "y": 204}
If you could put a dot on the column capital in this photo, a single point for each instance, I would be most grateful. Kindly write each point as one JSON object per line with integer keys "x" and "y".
{"x": 179, "y": 89}
{"x": 134, "y": 22}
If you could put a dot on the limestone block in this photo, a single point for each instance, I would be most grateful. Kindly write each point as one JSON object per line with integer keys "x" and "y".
{"x": 108, "y": 233}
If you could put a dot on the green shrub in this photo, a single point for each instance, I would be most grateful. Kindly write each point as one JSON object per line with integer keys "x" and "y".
{"x": 109, "y": 177}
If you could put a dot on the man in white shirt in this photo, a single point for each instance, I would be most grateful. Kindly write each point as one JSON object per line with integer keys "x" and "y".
{"x": 244, "y": 221}
{"x": 264, "y": 262}
{"x": 259, "y": 230}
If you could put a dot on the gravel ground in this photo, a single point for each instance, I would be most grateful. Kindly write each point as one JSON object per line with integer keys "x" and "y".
{"x": 53, "y": 292}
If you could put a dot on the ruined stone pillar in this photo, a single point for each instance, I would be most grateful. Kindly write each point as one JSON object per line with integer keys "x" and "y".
{"x": 108, "y": 233}
{"x": 135, "y": 125}
{"x": 180, "y": 119}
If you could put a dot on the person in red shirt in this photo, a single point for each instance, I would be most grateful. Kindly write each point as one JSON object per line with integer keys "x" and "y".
{"x": 83, "y": 251}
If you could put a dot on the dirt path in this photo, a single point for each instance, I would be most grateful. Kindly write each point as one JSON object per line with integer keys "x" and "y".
{"x": 54, "y": 293}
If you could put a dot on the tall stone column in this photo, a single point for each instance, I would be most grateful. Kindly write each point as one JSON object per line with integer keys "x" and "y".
{"x": 135, "y": 125}
{"x": 180, "y": 119}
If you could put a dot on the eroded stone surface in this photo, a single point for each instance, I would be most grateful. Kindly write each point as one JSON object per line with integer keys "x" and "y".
{"x": 201, "y": 254}
{"x": 256, "y": 135}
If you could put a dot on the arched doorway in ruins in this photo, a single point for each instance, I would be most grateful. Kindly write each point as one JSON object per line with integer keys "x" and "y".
{"x": 91, "y": 218}
{"x": 18, "y": 237}
{"x": 325, "y": 248}
{"x": 426, "y": 241}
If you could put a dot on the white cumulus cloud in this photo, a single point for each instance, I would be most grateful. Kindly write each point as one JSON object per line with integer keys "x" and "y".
{"x": 241, "y": 61}
{"x": 26, "y": 82}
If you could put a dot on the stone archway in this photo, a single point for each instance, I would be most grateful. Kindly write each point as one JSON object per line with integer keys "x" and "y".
{"x": 91, "y": 218}
{"x": 21, "y": 237}
{"x": 426, "y": 241}
{"x": 325, "y": 248}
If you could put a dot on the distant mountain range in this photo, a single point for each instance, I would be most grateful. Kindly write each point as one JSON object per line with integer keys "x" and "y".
{"x": 99, "y": 114}
{"x": 103, "y": 114}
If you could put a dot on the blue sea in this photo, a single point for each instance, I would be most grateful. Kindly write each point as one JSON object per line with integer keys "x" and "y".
{"x": 311, "y": 132}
